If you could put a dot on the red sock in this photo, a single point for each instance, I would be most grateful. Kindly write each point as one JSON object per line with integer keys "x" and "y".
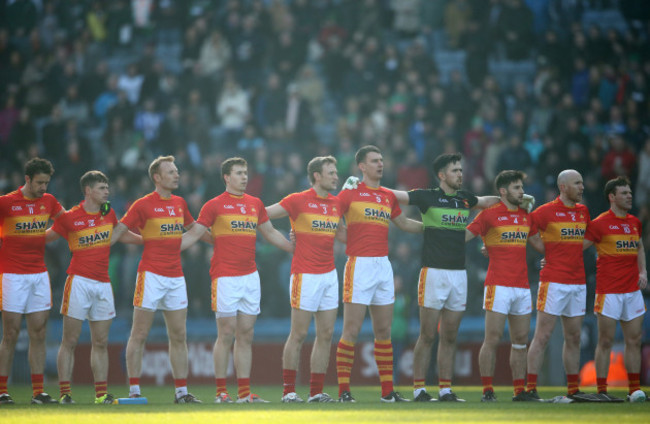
{"x": 316, "y": 383}
{"x": 384, "y": 360}
{"x": 487, "y": 384}
{"x": 344, "y": 361}
{"x": 518, "y": 385}
{"x": 602, "y": 384}
{"x": 101, "y": 388}
{"x": 289, "y": 381}
{"x": 180, "y": 382}
{"x": 221, "y": 386}
{"x": 134, "y": 381}
{"x": 532, "y": 382}
{"x": 37, "y": 384}
{"x": 244, "y": 387}
{"x": 64, "y": 388}
{"x": 3, "y": 384}
{"x": 634, "y": 381}
{"x": 572, "y": 383}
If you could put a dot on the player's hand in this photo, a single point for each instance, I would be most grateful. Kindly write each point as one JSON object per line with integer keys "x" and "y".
{"x": 643, "y": 280}
{"x": 542, "y": 263}
{"x": 528, "y": 202}
{"x": 351, "y": 183}
{"x": 292, "y": 236}
{"x": 105, "y": 208}
{"x": 484, "y": 251}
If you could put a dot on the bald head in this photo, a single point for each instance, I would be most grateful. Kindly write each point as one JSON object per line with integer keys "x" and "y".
{"x": 566, "y": 176}
{"x": 571, "y": 186}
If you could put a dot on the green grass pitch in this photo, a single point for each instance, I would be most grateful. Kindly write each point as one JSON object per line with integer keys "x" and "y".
{"x": 368, "y": 409}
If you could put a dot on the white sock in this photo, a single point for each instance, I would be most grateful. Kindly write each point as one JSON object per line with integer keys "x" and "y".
{"x": 181, "y": 391}
{"x": 444, "y": 391}
{"x": 134, "y": 389}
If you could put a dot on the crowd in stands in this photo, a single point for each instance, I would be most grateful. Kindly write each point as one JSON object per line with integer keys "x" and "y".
{"x": 537, "y": 85}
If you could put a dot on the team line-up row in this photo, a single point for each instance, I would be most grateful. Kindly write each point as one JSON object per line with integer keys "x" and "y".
{"x": 358, "y": 216}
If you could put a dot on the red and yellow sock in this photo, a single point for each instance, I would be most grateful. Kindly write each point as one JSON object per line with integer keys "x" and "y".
{"x": 444, "y": 383}
{"x": 634, "y": 381}
{"x": 64, "y": 388}
{"x": 37, "y": 384}
{"x": 532, "y": 382}
{"x": 418, "y": 384}
{"x": 602, "y": 384}
{"x": 288, "y": 381}
{"x": 316, "y": 382}
{"x": 101, "y": 388}
{"x": 3, "y": 384}
{"x": 221, "y": 386}
{"x": 384, "y": 360}
{"x": 344, "y": 361}
{"x": 518, "y": 385}
{"x": 487, "y": 384}
{"x": 572, "y": 383}
{"x": 243, "y": 387}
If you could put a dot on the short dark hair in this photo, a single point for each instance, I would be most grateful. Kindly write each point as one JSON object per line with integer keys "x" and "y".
{"x": 361, "y": 154}
{"x": 507, "y": 177}
{"x": 155, "y": 165}
{"x": 38, "y": 166}
{"x": 316, "y": 165}
{"x": 227, "y": 165}
{"x": 90, "y": 178}
{"x": 612, "y": 185}
{"x": 445, "y": 159}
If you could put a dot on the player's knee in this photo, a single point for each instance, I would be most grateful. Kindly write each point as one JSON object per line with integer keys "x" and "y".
{"x": 100, "y": 343}
{"x": 325, "y": 334}
{"x": 633, "y": 341}
{"x": 37, "y": 334}
{"x": 178, "y": 336}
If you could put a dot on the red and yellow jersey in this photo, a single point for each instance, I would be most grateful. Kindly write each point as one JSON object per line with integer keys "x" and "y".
{"x": 89, "y": 239}
{"x": 314, "y": 220}
{"x": 562, "y": 229}
{"x": 233, "y": 221}
{"x": 23, "y": 222}
{"x": 617, "y": 242}
{"x": 505, "y": 233}
{"x": 368, "y": 212}
{"x": 160, "y": 221}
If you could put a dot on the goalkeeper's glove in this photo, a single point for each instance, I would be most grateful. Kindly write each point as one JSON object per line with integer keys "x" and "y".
{"x": 528, "y": 202}
{"x": 351, "y": 183}
{"x": 105, "y": 208}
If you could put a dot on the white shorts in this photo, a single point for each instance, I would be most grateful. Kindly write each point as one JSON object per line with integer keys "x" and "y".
{"x": 620, "y": 306}
{"x": 25, "y": 293}
{"x": 314, "y": 292}
{"x": 84, "y": 298}
{"x": 153, "y": 292}
{"x": 443, "y": 288}
{"x": 368, "y": 281}
{"x": 568, "y": 300}
{"x": 507, "y": 300}
{"x": 231, "y": 295}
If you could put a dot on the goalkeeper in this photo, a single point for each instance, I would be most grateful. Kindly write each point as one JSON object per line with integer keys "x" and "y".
{"x": 442, "y": 289}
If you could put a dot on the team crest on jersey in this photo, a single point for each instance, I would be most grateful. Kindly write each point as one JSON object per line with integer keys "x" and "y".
{"x": 171, "y": 211}
{"x": 253, "y": 210}
{"x": 43, "y": 207}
